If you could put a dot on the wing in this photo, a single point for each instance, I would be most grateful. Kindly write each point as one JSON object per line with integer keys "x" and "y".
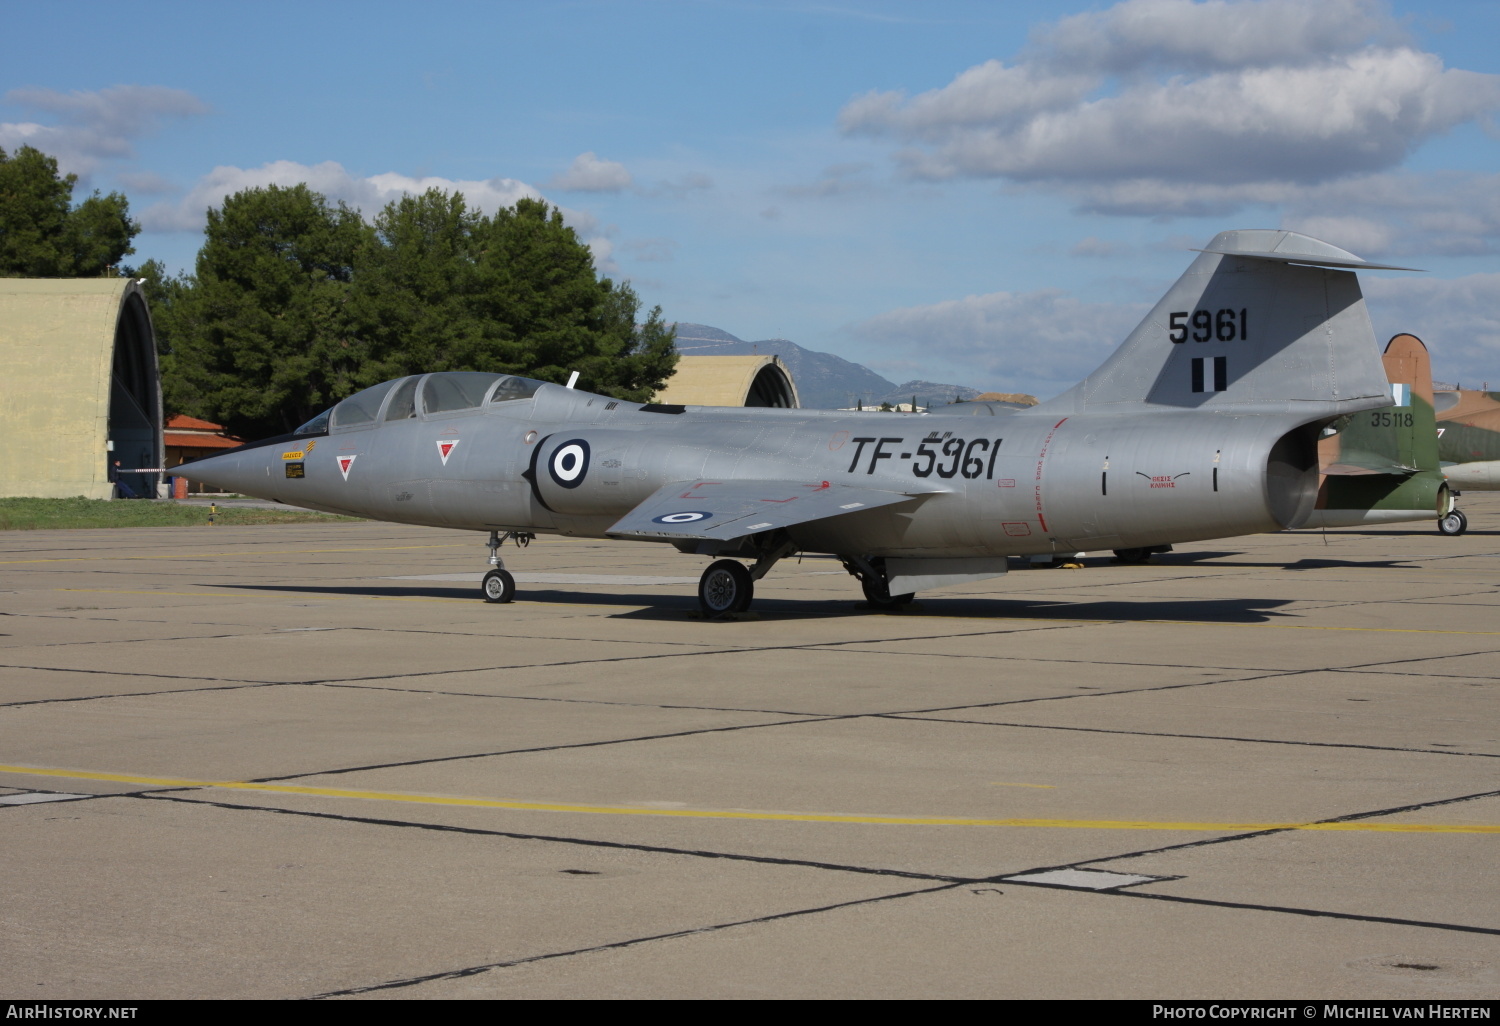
{"x": 725, "y": 510}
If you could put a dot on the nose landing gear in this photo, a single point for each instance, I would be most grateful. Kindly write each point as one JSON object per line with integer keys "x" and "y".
{"x": 498, "y": 585}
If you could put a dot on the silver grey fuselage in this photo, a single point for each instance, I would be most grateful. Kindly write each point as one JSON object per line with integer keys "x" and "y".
{"x": 988, "y": 481}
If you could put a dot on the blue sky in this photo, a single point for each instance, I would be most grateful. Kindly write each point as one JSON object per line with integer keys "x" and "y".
{"x": 980, "y": 193}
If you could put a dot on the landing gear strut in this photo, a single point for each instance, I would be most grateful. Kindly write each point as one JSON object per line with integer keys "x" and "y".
{"x": 498, "y": 585}
{"x": 728, "y": 586}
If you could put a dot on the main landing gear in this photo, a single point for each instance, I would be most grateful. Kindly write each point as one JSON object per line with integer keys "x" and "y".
{"x": 727, "y": 587}
{"x": 1140, "y": 555}
{"x": 1453, "y": 522}
{"x": 498, "y": 585}
{"x": 876, "y": 582}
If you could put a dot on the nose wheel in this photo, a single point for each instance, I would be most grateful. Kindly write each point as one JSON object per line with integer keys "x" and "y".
{"x": 498, "y": 586}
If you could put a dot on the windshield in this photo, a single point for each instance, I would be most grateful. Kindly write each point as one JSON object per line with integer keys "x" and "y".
{"x": 317, "y": 426}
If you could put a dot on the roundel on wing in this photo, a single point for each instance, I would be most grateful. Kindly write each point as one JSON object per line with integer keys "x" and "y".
{"x": 569, "y": 463}
{"x": 685, "y": 517}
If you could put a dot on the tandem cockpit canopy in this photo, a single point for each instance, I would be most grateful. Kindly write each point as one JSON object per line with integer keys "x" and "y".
{"x": 421, "y": 395}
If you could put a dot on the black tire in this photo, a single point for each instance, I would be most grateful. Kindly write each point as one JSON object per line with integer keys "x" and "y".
{"x": 724, "y": 589}
{"x": 878, "y": 593}
{"x": 498, "y": 586}
{"x": 1133, "y": 555}
{"x": 1455, "y": 523}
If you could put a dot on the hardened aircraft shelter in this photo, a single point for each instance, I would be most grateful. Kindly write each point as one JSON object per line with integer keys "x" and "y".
{"x": 731, "y": 381}
{"x": 78, "y": 356}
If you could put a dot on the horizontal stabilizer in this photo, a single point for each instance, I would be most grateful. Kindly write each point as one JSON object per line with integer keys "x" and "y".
{"x": 725, "y": 510}
{"x": 1290, "y": 248}
{"x": 1352, "y": 466}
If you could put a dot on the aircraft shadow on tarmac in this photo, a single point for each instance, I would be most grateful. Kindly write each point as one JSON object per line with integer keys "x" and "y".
{"x": 1316, "y": 564}
{"x": 673, "y": 605}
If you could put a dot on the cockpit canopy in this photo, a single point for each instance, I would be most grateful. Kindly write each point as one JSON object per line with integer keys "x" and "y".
{"x": 421, "y": 395}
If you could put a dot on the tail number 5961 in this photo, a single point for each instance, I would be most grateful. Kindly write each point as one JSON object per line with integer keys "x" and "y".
{"x": 1207, "y": 325}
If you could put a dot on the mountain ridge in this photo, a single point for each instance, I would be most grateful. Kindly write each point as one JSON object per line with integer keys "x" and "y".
{"x": 824, "y": 381}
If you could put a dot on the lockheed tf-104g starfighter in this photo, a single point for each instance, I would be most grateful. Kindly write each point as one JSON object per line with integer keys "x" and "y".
{"x": 1204, "y": 423}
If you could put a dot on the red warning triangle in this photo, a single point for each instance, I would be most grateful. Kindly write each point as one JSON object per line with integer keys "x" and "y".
{"x": 345, "y": 462}
{"x": 446, "y": 447}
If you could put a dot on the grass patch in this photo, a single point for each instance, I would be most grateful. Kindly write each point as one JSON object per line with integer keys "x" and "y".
{"x": 51, "y": 514}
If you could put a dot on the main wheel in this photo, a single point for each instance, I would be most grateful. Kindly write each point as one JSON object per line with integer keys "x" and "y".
{"x": 1454, "y": 523}
{"x": 1133, "y": 555}
{"x": 725, "y": 587}
{"x": 878, "y": 593}
{"x": 498, "y": 586}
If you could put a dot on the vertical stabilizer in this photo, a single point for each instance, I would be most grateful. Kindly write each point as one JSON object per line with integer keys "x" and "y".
{"x": 1262, "y": 322}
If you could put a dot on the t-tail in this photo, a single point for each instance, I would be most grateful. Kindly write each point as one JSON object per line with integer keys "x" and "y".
{"x": 1263, "y": 321}
{"x": 1267, "y": 334}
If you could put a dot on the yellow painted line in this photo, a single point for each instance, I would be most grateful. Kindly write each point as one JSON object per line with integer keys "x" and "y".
{"x": 788, "y": 817}
{"x": 1001, "y": 783}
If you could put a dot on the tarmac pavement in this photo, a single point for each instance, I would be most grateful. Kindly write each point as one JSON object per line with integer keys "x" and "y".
{"x": 308, "y": 761}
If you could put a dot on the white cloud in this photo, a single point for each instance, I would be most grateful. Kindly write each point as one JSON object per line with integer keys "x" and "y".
{"x": 92, "y": 127}
{"x": 1038, "y": 342}
{"x": 332, "y": 180}
{"x": 590, "y": 174}
{"x": 1206, "y": 36}
{"x": 1167, "y": 107}
{"x": 1458, "y": 318}
{"x": 368, "y": 195}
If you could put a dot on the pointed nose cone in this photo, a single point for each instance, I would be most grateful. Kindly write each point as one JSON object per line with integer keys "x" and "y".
{"x": 245, "y": 470}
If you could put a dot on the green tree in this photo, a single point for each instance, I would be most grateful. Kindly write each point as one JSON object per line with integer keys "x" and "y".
{"x": 296, "y": 304}
{"x": 42, "y": 235}
{"x": 259, "y": 339}
{"x": 440, "y": 287}
{"x": 414, "y": 289}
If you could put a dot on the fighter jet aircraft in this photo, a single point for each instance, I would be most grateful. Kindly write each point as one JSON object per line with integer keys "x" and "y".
{"x": 1381, "y": 466}
{"x": 1204, "y": 423}
{"x": 1468, "y": 428}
